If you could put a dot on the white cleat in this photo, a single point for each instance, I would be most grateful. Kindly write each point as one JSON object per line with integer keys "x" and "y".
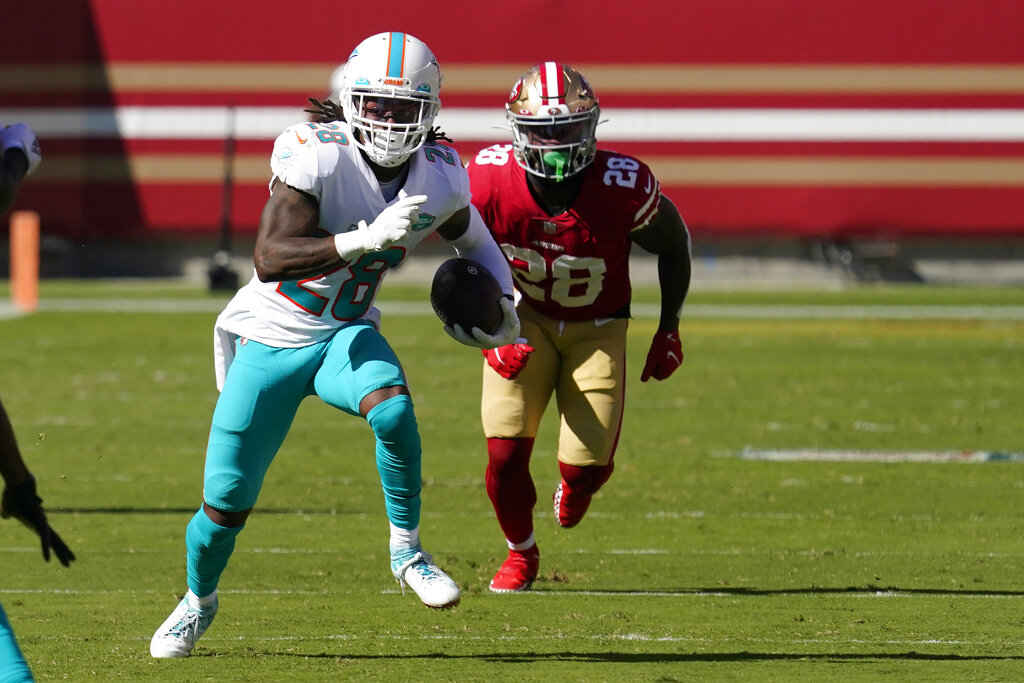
{"x": 416, "y": 568}
{"x": 177, "y": 636}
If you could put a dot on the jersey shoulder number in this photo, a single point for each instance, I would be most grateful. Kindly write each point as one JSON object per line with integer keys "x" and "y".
{"x": 620, "y": 170}
{"x": 495, "y": 155}
{"x": 635, "y": 183}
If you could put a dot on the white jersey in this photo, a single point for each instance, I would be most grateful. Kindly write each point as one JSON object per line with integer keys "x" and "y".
{"x": 319, "y": 159}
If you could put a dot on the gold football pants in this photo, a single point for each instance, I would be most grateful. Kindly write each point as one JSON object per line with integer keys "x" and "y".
{"x": 583, "y": 365}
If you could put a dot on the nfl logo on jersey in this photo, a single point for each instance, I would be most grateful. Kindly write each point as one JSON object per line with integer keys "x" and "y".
{"x": 550, "y": 227}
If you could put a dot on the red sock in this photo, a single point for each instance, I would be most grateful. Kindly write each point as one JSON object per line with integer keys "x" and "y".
{"x": 510, "y": 487}
{"x": 579, "y": 484}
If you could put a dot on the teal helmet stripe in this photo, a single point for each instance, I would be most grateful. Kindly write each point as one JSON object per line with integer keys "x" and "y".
{"x": 396, "y": 55}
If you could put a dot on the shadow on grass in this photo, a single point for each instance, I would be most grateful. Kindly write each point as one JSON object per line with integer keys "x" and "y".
{"x": 762, "y": 592}
{"x": 667, "y": 658}
{"x": 191, "y": 510}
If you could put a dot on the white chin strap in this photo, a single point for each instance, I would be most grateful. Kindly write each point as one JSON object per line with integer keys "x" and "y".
{"x": 385, "y": 146}
{"x": 380, "y": 154}
{"x": 389, "y": 161}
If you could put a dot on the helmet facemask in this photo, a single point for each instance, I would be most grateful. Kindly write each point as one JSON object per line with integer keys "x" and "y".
{"x": 554, "y": 115}
{"x": 390, "y": 141}
{"x": 555, "y": 147}
{"x": 390, "y": 94}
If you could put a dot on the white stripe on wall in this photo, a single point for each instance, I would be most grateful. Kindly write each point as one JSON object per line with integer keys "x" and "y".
{"x": 680, "y": 125}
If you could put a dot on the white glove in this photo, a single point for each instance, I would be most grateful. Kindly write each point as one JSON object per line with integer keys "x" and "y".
{"x": 19, "y": 135}
{"x": 506, "y": 333}
{"x": 389, "y": 227}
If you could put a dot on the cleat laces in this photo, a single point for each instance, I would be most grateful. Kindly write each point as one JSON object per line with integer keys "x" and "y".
{"x": 419, "y": 563}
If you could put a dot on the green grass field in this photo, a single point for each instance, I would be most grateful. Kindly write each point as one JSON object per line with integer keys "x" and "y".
{"x": 694, "y": 563}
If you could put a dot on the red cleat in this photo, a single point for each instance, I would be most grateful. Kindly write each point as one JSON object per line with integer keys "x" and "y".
{"x": 517, "y": 572}
{"x": 569, "y": 508}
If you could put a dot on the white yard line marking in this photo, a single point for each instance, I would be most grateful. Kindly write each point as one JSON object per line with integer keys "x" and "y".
{"x": 826, "y": 455}
{"x": 846, "y": 312}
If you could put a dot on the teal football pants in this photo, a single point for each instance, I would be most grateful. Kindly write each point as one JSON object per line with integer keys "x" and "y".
{"x": 261, "y": 395}
{"x": 13, "y": 668}
{"x": 262, "y": 392}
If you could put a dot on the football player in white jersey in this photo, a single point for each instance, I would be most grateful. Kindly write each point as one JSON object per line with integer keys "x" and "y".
{"x": 350, "y": 198}
{"x": 19, "y": 156}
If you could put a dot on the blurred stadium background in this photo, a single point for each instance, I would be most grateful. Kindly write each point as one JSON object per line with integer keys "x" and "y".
{"x": 804, "y": 141}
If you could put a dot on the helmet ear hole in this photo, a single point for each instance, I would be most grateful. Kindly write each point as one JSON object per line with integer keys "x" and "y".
{"x": 554, "y": 114}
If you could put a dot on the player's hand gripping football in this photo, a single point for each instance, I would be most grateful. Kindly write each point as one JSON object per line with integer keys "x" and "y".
{"x": 509, "y": 360}
{"x": 665, "y": 356}
{"x": 20, "y": 136}
{"x": 506, "y": 333}
{"x": 389, "y": 227}
{"x": 21, "y": 502}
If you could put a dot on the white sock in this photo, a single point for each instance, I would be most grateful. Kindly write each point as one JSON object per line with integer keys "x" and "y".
{"x": 525, "y": 545}
{"x": 199, "y": 602}
{"x": 404, "y": 538}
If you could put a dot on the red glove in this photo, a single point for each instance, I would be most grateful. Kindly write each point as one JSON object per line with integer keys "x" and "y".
{"x": 665, "y": 356}
{"x": 509, "y": 360}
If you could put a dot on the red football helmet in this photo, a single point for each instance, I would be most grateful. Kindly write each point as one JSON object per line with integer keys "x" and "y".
{"x": 553, "y": 113}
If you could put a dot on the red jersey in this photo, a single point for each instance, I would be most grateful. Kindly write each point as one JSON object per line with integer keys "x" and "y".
{"x": 573, "y": 266}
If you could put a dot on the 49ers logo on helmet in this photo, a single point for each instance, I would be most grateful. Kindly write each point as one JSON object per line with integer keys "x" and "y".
{"x": 517, "y": 91}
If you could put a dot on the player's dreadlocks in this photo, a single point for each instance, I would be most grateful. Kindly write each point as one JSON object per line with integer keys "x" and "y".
{"x": 328, "y": 110}
{"x": 325, "y": 111}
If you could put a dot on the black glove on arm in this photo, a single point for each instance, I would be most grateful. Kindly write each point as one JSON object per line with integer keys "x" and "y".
{"x": 21, "y": 502}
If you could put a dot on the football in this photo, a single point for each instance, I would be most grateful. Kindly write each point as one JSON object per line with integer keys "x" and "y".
{"x": 465, "y": 293}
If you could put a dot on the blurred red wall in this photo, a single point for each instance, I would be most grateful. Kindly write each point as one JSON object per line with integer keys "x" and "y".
{"x": 777, "y": 119}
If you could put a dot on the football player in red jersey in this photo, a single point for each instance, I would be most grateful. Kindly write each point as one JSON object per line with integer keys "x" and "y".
{"x": 566, "y": 215}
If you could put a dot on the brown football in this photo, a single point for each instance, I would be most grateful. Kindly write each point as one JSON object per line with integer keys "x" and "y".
{"x": 465, "y": 293}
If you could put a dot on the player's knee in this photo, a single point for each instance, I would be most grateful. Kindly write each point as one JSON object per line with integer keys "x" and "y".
{"x": 229, "y": 492}
{"x": 586, "y": 480}
{"x": 508, "y": 457}
{"x": 394, "y": 421}
{"x": 226, "y": 518}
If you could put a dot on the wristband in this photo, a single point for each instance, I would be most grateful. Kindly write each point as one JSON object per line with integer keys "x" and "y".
{"x": 354, "y": 243}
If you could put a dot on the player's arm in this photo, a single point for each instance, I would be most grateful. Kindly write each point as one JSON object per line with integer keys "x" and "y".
{"x": 465, "y": 230}
{"x": 19, "y": 499}
{"x": 668, "y": 237}
{"x": 13, "y": 167}
{"x": 13, "y": 469}
{"x": 19, "y": 154}
{"x": 290, "y": 244}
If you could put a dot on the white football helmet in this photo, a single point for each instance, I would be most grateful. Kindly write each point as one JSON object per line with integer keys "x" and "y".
{"x": 553, "y": 113}
{"x": 395, "y": 78}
